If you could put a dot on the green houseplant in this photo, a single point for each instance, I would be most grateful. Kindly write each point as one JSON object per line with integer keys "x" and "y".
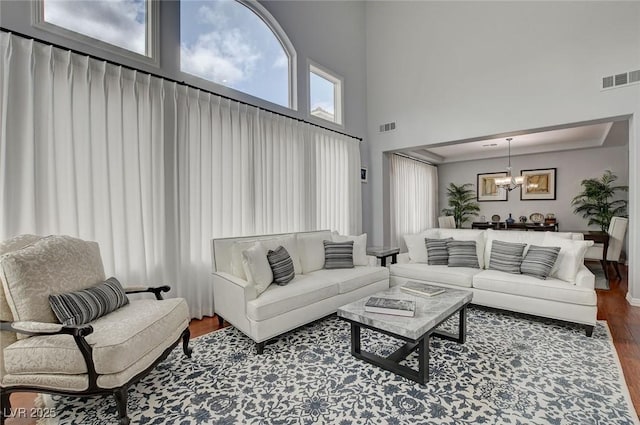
{"x": 462, "y": 203}
{"x": 595, "y": 201}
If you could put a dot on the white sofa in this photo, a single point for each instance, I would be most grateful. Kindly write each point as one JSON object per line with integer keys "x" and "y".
{"x": 567, "y": 294}
{"x": 314, "y": 292}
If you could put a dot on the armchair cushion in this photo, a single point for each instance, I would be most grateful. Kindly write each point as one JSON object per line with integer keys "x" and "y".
{"x": 119, "y": 340}
{"x": 78, "y": 308}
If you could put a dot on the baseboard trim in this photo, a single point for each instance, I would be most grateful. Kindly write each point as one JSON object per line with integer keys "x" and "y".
{"x": 633, "y": 301}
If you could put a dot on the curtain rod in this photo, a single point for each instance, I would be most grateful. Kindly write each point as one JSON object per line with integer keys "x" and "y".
{"x": 415, "y": 159}
{"x": 171, "y": 80}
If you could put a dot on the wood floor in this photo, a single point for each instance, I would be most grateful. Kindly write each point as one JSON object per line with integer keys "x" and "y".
{"x": 623, "y": 320}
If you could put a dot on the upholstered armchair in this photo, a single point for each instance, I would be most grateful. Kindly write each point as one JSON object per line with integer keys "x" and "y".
{"x": 617, "y": 231}
{"x": 106, "y": 355}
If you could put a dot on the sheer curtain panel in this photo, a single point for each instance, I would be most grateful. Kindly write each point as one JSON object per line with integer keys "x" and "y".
{"x": 414, "y": 197}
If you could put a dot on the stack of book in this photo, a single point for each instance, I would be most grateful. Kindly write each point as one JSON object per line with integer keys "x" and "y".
{"x": 390, "y": 306}
{"x": 417, "y": 288}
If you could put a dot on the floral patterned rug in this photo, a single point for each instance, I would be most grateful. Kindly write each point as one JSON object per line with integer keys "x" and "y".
{"x": 513, "y": 369}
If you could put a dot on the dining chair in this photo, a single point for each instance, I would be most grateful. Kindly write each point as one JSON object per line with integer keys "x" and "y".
{"x": 617, "y": 231}
{"x": 447, "y": 222}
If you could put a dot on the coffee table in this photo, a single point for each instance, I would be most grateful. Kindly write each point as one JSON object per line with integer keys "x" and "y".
{"x": 416, "y": 331}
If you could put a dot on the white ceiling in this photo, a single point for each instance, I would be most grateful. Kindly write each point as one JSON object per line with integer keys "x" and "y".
{"x": 589, "y": 136}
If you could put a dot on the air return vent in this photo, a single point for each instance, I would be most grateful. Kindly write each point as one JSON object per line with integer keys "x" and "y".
{"x": 387, "y": 127}
{"x": 621, "y": 80}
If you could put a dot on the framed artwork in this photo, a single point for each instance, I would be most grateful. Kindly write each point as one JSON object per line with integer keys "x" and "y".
{"x": 538, "y": 184}
{"x": 487, "y": 189}
{"x": 363, "y": 174}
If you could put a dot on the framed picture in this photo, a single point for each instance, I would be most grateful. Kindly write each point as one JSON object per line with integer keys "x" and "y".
{"x": 363, "y": 174}
{"x": 487, "y": 189}
{"x": 538, "y": 184}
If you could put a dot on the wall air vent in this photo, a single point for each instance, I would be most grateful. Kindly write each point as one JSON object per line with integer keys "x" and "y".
{"x": 387, "y": 127}
{"x": 621, "y": 80}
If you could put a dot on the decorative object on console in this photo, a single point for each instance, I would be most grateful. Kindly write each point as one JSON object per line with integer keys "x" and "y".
{"x": 594, "y": 202}
{"x": 510, "y": 220}
{"x": 509, "y": 182}
{"x": 462, "y": 204}
{"x": 487, "y": 188}
{"x": 538, "y": 184}
{"x": 523, "y": 219}
{"x": 495, "y": 218}
{"x": 536, "y": 218}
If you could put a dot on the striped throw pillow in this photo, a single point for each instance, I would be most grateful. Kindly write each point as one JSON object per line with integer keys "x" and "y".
{"x": 80, "y": 307}
{"x": 338, "y": 255}
{"x": 539, "y": 261}
{"x": 281, "y": 265}
{"x": 462, "y": 254}
{"x": 437, "y": 254}
{"x": 506, "y": 256}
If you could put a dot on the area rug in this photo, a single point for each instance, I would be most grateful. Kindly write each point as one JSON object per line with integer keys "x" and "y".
{"x": 512, "y": 370}
{"x": 601, "y": 281}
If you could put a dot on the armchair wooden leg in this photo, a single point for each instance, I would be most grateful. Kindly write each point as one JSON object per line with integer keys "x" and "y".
{"x": 120, "y": 395}
{"x": 6, "y": 405}
{"x": 185, "y": 343}
{"x": 220, "y": 320}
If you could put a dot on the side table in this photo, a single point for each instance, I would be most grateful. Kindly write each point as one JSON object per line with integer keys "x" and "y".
{"x": 382, "y": 252}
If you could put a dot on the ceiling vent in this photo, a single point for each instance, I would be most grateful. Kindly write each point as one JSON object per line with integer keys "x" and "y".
{"x": 387, "y": 127}
{"x": 621, "y": 80}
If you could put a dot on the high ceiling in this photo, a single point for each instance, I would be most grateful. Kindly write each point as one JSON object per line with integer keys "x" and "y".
{"x": 582, "y": 137}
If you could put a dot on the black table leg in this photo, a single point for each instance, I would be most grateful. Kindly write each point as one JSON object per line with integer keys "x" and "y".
{"x": 394, "y": 258}
{"x": 355, "y": 339}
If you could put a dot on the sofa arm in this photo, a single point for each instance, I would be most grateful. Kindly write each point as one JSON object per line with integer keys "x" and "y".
{"x": 157, "y": 291}
{"x": 584, "y": 278}
{"x": 403, "y": 258}
{"x": 41, "y": 328}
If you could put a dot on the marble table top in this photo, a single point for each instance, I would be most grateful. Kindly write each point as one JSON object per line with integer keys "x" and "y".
{"x": 430, "y": 311}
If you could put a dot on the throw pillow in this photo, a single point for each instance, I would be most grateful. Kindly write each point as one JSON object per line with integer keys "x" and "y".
{"x": 462, "y": 254}
{"x": 506, "y": 256}
{"x": 359, "y": 248}
{"x": 257, "y": 267}
{"x": 80, "y": 307}
{"x": 417, "y": 247}
{"x": 338, "y": 255}
{"x": 281, "y": 265}
{"x": 474, "y": 235}
{"x": 437, "y": 253}
{"x": 570, "y": 257}
{"x": 539, "y": 261}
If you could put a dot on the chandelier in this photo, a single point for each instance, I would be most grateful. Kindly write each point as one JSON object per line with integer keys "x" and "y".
{"x": 509, "y": 182}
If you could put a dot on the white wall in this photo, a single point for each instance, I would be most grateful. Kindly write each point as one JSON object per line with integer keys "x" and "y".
{"x": 447, "y": 71}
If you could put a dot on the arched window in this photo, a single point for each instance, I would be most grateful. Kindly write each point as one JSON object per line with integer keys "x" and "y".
{"x": 237, "y": 44}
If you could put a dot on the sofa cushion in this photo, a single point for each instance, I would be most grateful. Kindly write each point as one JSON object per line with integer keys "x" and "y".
{"x": 539, "y": 261}
{"x": 351, "y": 279}
{"x": 302, "y": 291}
{"x": 119, "y": 340}
{"x": 86, "y": 305}
{"x": 462, "y": 254}
{"x": 338, "y": 255}
{"x": 257, "y": 268}
{"x": 570, "y": 257}
{"x": 457, "y": 276}
{"x": 417, "y": 246}
{"x": 531, "y": 287}
{"x": 506, "y": 256}
{"x": 359, "y": 247}
{"x": 311, "y": 250}
{"x": 281, "y": 265}
{"x": 478, "y": 236}
{"x": 437, "y": 252}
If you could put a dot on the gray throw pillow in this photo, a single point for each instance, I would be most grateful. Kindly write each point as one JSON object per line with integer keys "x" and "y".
{"x": 506, "y": 256}
{"x": 281, "y": 265}
{"x": 80, "y": 307}
{"x": 462, "y": 254}
{"x": 437, "y": 253}
{"x": 539, "y": 261}
{"x": 338, "y": 255}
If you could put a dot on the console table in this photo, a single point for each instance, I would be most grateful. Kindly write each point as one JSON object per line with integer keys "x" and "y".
{"x": 501, "y": 225}
{"x": 382, "y": 252}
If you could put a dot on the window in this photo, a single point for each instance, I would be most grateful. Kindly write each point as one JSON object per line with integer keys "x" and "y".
{"x": 239, "y": 45}
{"x": 120, "y": 23}
{"x": 325, "y": 95}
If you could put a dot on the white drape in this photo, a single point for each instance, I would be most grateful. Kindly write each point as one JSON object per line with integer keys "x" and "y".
{"x": 153, "y": 170}
{"x": 414, "y": 197}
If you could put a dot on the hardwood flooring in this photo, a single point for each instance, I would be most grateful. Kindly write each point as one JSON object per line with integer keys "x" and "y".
{"x": 623, "y": 320}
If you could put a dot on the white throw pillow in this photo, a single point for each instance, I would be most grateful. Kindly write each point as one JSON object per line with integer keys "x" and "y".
{"x": 291, "y": 245}
{"x": 311, "y": 248}
{"x": 359, "y": 247}
{"x": 237, "y": 268}
{"x": 416, "y": 244}
{"x": 570, "y": 257}
{"x": 256, "y": 267}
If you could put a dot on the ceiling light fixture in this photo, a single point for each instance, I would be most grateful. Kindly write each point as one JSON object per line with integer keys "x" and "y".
{"x": 509, "y": 182}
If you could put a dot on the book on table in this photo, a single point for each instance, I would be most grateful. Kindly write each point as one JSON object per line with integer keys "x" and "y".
{"x": 390, "y": 306}
{"x": 417, "y": 288}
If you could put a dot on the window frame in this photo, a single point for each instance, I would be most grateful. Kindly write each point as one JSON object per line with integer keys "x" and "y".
{"x": 338, "y": 92}
{"x": 267, "y": 18}
{"x": 152, "y": 24}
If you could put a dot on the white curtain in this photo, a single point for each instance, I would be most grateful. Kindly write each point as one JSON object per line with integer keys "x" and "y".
{"x": 414, "y": 197}
{"x": 153, "y": 170}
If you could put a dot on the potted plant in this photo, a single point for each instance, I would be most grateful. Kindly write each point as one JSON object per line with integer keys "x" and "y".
{"x": 462, "y": 203}
{"x": 595, "y": 201}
